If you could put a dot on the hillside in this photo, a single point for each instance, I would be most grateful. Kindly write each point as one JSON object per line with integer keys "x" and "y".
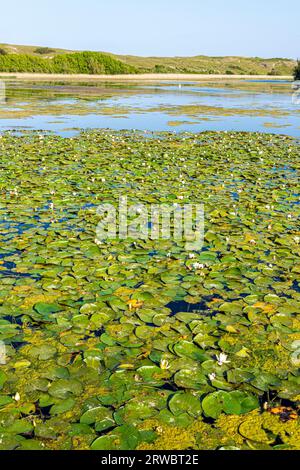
{"x": 212, "y": 65}
{"x": 16, "y": 58}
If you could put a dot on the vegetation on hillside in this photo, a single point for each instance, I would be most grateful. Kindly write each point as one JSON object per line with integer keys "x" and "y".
{"x": 297, "y": 71}
{"x": 77, "y": 63}
{"x": 212, "y": 65}
{"x": 198, "y": 64}
{"x": 44, "y": 50}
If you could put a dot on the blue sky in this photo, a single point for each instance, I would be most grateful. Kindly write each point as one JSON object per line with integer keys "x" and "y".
{"x": 265, "y": 28}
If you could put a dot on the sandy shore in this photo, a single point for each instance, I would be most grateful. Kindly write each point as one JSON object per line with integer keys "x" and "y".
{"x": 140, "y": 77}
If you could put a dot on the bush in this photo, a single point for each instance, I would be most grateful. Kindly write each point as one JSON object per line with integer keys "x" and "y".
{"x": 272, "y": 73}
{"x": 3, "y": 51}
{"x": 297, "y": 71}
{"x": 77, "y": 63}
{"x": 44, "y": 50}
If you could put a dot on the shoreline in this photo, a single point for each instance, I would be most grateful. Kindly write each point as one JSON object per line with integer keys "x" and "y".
{"x": 138, "y": 77}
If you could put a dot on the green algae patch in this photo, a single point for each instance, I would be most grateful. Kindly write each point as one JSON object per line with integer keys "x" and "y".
{"x": 253, "y": 431}
{"x": 141, "y": 344}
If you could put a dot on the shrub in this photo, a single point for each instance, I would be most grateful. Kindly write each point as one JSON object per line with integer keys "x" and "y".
{"x": 3, "y": 51}
{"x": 297, "y": 71}
{"x": 44, "y": 50}
{"x": 77, "y": 63}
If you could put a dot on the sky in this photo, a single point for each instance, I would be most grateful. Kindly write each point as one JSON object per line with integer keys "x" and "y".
{"x": 262, "y": 28}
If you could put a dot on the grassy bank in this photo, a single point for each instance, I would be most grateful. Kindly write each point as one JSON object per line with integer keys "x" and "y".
{"x": 52, "y": 59}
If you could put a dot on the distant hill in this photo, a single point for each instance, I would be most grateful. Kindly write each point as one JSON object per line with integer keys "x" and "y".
{"x": 15, "y": 58}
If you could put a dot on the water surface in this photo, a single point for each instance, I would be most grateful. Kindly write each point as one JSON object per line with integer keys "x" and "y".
{"x": 65, "y": 107}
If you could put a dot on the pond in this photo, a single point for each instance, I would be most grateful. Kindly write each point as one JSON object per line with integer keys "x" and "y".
{"x": 141, "y": 344}
{"x": 215, "y": 105}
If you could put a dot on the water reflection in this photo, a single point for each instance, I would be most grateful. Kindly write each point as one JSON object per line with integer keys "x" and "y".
{"x": 66, "y": 107}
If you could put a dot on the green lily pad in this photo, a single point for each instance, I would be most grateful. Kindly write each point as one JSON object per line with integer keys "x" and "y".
{"x": 100, "y": 416}
{"x": 185, "y": 402}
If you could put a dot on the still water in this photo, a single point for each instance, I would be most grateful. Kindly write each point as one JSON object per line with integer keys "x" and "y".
{"x": 66, "y": 107}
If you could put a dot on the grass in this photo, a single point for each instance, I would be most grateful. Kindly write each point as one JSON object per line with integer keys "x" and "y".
{"x": 212, "y": 65}
{"x": 198, "y": 64}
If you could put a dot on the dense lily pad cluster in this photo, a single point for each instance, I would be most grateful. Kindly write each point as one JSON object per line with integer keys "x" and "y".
{"x": 132, "y": 344}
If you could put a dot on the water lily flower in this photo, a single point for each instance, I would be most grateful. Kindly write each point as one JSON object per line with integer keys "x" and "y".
{"x": 297, "y": 240}
{"x": 198, "y": 266}
{"x": 17, "y": 397}
{"x": 212, "y": 376}
{"x": 164, "y": 364}
{"x": 192, "y": 255}
{"x": 14, "y": 192}
{"x": 222, "y": 359}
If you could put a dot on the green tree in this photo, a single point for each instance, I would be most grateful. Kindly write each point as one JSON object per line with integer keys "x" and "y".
{"x": 297, "y": 71}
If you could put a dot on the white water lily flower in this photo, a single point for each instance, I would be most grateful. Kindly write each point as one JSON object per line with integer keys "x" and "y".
{"x": 222, "y": 359}
{"x": 17, "y": 397}
{"x": 297, "y": 240}
{"x": 212, "y": 376}
{"x": 198, "y": 266}
{"x": 164, "y": 364}
{"x": 192, "y": 255}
